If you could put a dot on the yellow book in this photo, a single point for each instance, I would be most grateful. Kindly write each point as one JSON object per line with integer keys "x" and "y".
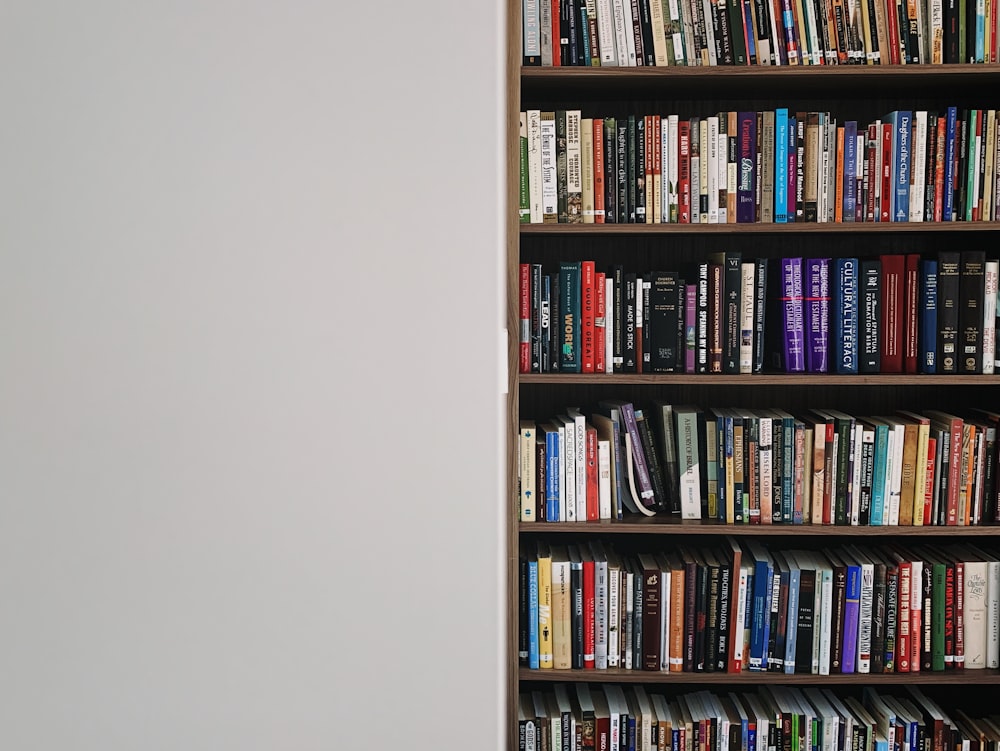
{"x": 544, "y": 606}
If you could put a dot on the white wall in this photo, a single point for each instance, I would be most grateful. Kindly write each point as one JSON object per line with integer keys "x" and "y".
{"x": 249, "y": 402}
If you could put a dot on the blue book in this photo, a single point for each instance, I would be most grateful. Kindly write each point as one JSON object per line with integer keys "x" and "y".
{"x": 948, "y": 214}
{"x": 850, "y": 169}
{"x": 791, "y": 637}
{"x": 879, "y": 481}
{"x": 781, "y": 166}
{"x": 552, "y": 470}
{"x": 761, "y": 613}
{"x": 928, "y": 316}
{"x": 631, "y": 733}
{"x": 845, "y": 315}
{"x": 752, "y": 731}
{"x": 902, "y": 126}
{"x": 533, "y": 614}
{"x": 852, "y": 609}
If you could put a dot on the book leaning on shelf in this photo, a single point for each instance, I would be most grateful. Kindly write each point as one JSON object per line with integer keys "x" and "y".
{"x": 887, "y": 314}
{"x": 742, "y": 607}
{"x": 617, "y": 33}
{"x": 761, "y": 466}
{"x": 775, "y": 166}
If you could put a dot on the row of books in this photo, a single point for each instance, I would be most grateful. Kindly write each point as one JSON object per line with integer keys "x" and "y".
{"x": 888, "y": 314}
{"x": 757, "y": 32}
{"x": 740, "y": 607}
{"x": 760, "y": 466}
{"x": 581, "y": 717}
{"x": 772, "y": 166}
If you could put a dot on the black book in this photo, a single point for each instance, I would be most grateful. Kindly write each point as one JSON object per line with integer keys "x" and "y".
{"x": 714, "y": 580}
{"x": 739, "y": 46}
{"x": 727, "y": 599}
{"x": 777, "y": 467}
{"x": 546, "y": 324}
{"x": 636, "y": 32}
{"x": 962, "y": 149}
{"x": 948, "y": 305}
{"x": 690, "y": 614}
{"x": 665, "y": 431}
{"x": 646, "y": 27}
{"x": 970, "y": 317}
{"x": 555, "y": 315}
{"x": 951, "y": 32}
{"x": 570, "y": 31}
{"x": 653, "y": 452}
{"x": 618, "y": 335}
{"x": 639, "y": 591}
{"x": 681, "y": 327}
{"x": 760, "y": 317}
{"x": 871, "y": 301}
{"x": 561, "y": 157}
{"x": 724, "y": 34}
{"x": 837, "y": 613}
{"x": 576, "y": 606}
{"x": 629, "y": 350}
{"x": 930, "y": 164}
{"x": 663, "y": 315}
{"x": 730, "y": 261}
{"x": 645, "y": 290}
{"x": 622, "y": 162}
{"x": 806, "y": 616}
{"x": 879, "y": 605}
{"x": 610, "y": 171}
{"x": 701, "y": 613}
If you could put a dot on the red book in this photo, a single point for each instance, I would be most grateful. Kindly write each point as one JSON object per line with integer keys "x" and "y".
{"x": 684, "y": 170}
{"x": 885, "y": 193}
{"x": 588, "y": 311}
{"x": 593, "y": 498}
{"x": 952, "y": 461}
{"x": 892, "y": 21}
{"x": 911, "y": 313}
{"x": 600, "y": 322}
{"x": 872, "y": 156}
{"x": 525, "y": 316}
{"x": 976, "y": 197}
{"x": 598, "y": 170}
{"x": 556, "y": 38}
{"x": 892, "y": 313}
{"x": 647, "y": 167}
{"x": 588, "y": 609}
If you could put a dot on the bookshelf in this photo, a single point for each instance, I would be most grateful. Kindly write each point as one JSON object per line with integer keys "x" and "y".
{"x": 860, "y": 91}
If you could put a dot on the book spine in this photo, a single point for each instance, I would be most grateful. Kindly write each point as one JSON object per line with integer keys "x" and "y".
{"x": 792, "y": 315}
{"x": 892, "y": 313}
{"x": 928, "y": 317}
{"x": 949, "y": 271}
{"x": 852, "y": 607}
{"x": 846, "y": 312}
{"x": 760, "y": 318}
{"x": 818, "y": 307}
{"x": 971, "y": 288}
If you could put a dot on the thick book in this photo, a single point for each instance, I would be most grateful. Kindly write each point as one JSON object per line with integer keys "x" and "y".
{"x": 970, "y": 317}
{"x": 891, "y": 317}
{"x": 793, "y": 334}
{"x": 846, "y": 276}
{"x": 663, "y": 320}
{"x": 948, "y": 297}
{"x": 928, "y": 333}
{"x": 730, "y": 313}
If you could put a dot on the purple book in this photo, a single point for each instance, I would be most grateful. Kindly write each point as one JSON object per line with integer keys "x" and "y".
{"x": 817, "y": 314}
{"x": 792, "y": 319}
{"x": 852, "y": 606}
{"x": 690, "y": 326}
{"x": 746, "y": 180}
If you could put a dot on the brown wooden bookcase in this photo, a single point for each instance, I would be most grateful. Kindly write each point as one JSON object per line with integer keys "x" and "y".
{"x": 848, "y": 91}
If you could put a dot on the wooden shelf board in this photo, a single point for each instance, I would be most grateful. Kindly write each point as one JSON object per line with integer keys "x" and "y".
{"x": 763, "y": 379}
{"x": 796, "y": 228}
{"x": 670, "y": 525}
{"x": 948, "y": 677}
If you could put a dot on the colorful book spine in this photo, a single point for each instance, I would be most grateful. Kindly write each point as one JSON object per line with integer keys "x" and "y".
{"x": 818, "y": 314}
{"x": 747, "y": 177}
{"x": 792, "y": 318}
{"x": 781, "y": 165}
{"x": 902, "y": 164}
{"x": 852, "y": 608}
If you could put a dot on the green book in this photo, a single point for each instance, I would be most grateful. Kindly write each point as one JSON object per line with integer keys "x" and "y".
{"x": 937, "y": 616}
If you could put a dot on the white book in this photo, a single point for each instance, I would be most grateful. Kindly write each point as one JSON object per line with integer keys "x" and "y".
{"x": 918, "y": 172}
{"x": 672, "y": 168}
{"x": 727, "y": 177}
{"x": 644, "y": 723}
{"x": 975, "y": 607}
{"x": 601, "y": 591}
{"x": 748, "y": 276}
{"x": 606, "y": 33}
{"x": 526, "y": 469}
{"x": 689, "y": 461}
{"x": 709, "y": 31}
{"x": 824, "y": 577}
{"x": 989, "y": 316}
{"x": 993, "y": 614}
{"x": 937, "y": 31}
{"x": 580, "y": 462}
{"x": 545, "y": 23}
{"x": 854, "y": 489}
{"x": 712, "y": 130}
{"x": 738, "y": 618}
{"x": 766, "y": 479}
{"x": 621, "y": 34}
{"x": 664, "y": 612}
{"x": 567, "y": 463}
{"x": 574, "y": 169}
{"x": 629, "y": 597}
{"x": 531, "y": 42}
{"x": 609, "y": 324}
{"x": 550, "y": 203}
{"x": 604, "y": 479}
{"x": 631, "y": 54}
{"x": 702, "y": 173}
{"x": 897, "y": 433}
{"x": 534, "y": 127}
